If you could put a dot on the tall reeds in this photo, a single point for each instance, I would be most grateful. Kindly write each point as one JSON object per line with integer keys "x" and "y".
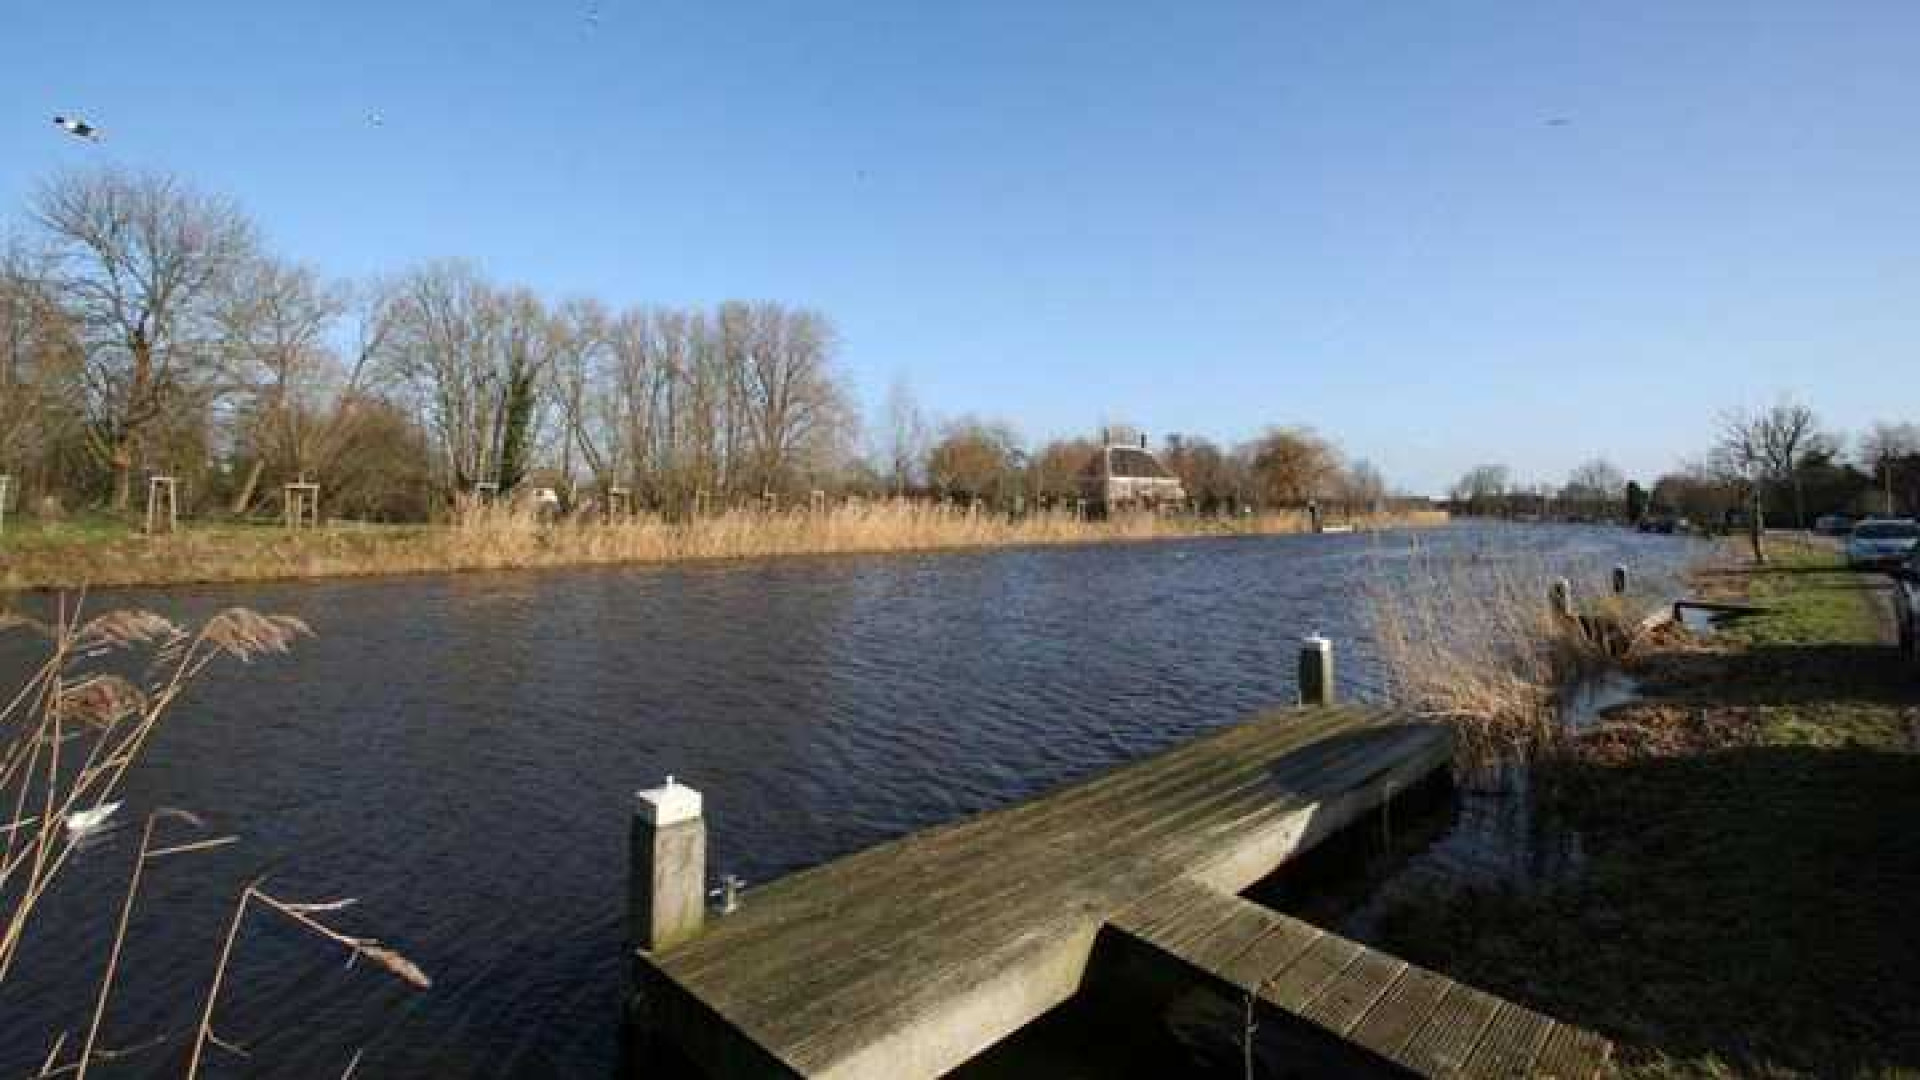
{"x": 517, "y": 535}
{"x": 1474, "y": 640}
{"x": 69, "y": 735}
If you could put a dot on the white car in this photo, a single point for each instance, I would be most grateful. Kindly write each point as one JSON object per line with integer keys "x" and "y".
{"x": 1882, "y": 544}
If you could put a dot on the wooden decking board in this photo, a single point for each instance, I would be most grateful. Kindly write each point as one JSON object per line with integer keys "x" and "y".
{"x": 1571, "y": 1053}
{"x": 1393, "y": 1021}
{"x": 1281, "y": 945}
{"x": 866, "y": 965}
{"x": 879, "y": 871}
{"x": 1511, "y": 1043}
{"x": 1443, "y": 1044}
{"x": 970, "y": 928}
{"x": 1290, "y": 988}
{"x": 822, "y": 1016}
{"x": 1341, "y": 1004}
{"x": 1366, "y": 998}
{"x": 771, "y": 913}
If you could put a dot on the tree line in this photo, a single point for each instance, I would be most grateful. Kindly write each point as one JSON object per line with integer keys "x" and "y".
{"x": 1779, "y": 464}
{"x": 147, "y": 329}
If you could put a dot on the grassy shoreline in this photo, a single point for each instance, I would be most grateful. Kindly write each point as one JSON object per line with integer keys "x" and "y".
{"x": 1751, "y": 829}
{"x": 513, "y": 539}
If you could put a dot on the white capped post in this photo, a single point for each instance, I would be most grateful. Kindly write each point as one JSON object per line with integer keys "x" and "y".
{"x": 668, "y": 870}
{"x": 1316, "y": 671}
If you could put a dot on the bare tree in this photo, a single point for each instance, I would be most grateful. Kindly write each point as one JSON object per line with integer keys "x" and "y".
{"x": 276, "y": 319}
{"x": 1766, "y": 450}
{"x": 40, "y": 357}
{"x": 140, "y": 261}
{"x": 1597, "y": 487}
{"x": 1885, "y": 448}
{"x": 903, "y": 437}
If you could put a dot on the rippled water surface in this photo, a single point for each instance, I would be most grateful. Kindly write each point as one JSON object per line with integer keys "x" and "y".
{"x": 459, "y": 754}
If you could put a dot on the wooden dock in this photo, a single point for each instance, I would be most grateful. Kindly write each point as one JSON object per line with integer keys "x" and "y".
{"x": 908, "y": 959}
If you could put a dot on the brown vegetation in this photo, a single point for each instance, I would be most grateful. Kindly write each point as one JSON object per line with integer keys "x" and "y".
{"x": 504, "y": 536}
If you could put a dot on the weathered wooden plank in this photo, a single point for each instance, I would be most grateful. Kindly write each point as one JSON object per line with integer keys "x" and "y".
{"x": 1299, "y": 982}
{"x": 1342, "y": 1002}
{"x": 1180, "y": 781}
{"x": 1390, "y": 1025}
{"x": 1442, "y": 1045}
{"x": 906, "y": 959}
{"x": 889, "y": 870}
{"x": 1281, "y": 946}
{"x": 1087, "y": 886}
{"x": 1510, "y": 1044}
{"x": 827, "y": 1022}
{"x": 1571, "y": 1053}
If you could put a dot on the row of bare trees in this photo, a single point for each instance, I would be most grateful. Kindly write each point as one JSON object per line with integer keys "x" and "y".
{"x": 145, "y": 328}
{"x": 1778, "y": 464}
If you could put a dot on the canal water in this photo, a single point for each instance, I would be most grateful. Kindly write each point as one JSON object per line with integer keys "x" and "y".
{"x": 458, "y": 754}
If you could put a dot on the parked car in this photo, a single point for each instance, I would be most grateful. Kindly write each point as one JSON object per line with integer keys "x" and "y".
{"x": 1906, "y": 604}
{"x": 1882, "y": 544}
{"x": 1833, "y": 525}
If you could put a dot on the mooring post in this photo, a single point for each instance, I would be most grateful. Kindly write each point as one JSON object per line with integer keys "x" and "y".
{"x": 1313, "y": 516}
{"x": 667, "y": 876}
{"x": 1560, "y": 597}
{"x": 1619, "y": 581}
{"x": 1316, "y": 671}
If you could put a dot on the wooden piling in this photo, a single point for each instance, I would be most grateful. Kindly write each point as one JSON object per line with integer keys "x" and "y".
{"x": 1316, "y": 671}
{"x": 1560, "y": 598}
{"x": 666, "y": 901}
{"x": 1619, "y": 581}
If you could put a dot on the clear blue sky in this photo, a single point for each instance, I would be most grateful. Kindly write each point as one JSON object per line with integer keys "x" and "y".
{"x": 1200, "y": 217}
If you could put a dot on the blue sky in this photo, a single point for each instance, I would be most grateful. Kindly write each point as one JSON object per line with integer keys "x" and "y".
{"x": 1197, "y": 217}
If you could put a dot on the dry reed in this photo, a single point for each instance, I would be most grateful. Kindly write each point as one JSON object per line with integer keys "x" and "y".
{"x": 68, "y": 738}
{"x": 515, "y": 535}
{"x": 1475, "y": 641}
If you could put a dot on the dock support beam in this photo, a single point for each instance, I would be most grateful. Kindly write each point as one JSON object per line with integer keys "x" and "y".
{"x": 668, "y": 873}
{"x": 1316, "y": 671}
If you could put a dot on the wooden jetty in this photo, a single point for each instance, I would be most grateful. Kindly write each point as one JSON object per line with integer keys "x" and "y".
{"x": 908, "y": 959}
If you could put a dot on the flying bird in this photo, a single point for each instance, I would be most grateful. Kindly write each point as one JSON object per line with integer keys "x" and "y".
{"x": 376, "y": 119}
{"x": 77, "y": 128}
{"x": 1559, "y": 121}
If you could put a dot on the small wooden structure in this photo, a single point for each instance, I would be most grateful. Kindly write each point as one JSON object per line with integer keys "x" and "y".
{"x": 163, "y": 505}
{"x": 301, "y": 505}
{"x": 817, "y": 501}
{"x": 908, "y": 959}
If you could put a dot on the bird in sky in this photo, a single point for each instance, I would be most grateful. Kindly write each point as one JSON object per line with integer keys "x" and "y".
{"x": 77, "y": 128}
{"x": 1559, "y": 121}
{"x": 376, "y": 119}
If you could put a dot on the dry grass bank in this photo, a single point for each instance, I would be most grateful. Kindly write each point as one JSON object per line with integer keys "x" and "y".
{"x": 1751, "y": 868}
{"x": 504, "y": 537}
